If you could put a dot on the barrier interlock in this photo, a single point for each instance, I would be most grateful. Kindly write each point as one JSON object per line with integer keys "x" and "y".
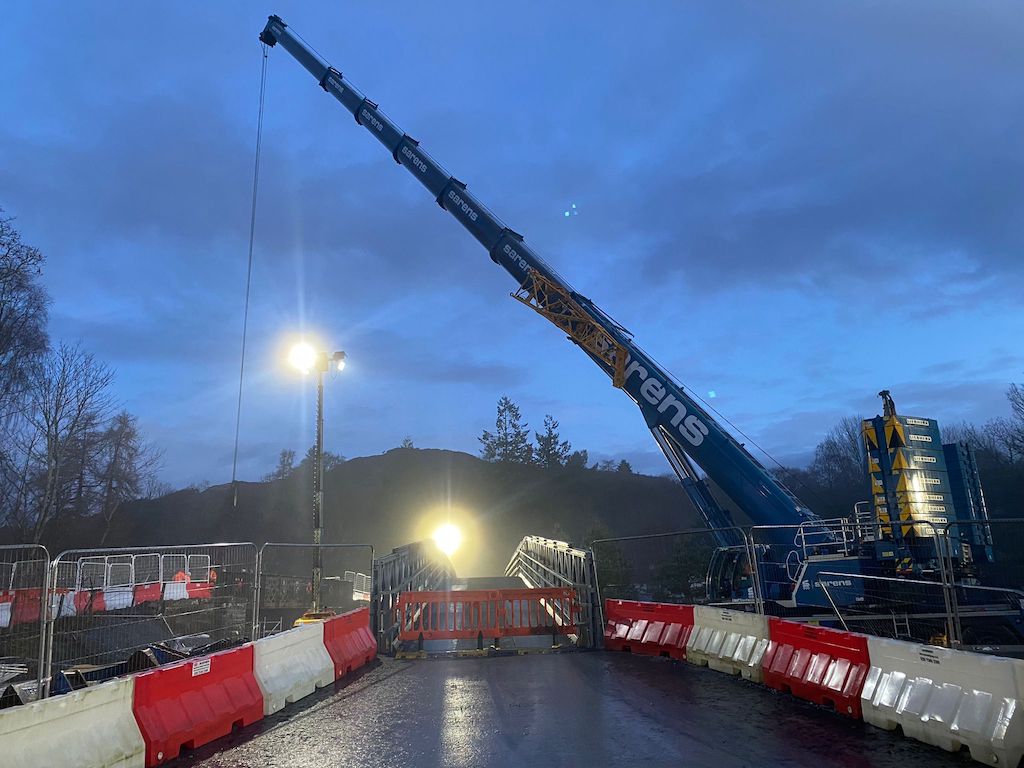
{"x": 822, "y": 665}
{"x": 654, "y": 629}
{"x": 193, "y": 702}
{"x": 349, "y": 641}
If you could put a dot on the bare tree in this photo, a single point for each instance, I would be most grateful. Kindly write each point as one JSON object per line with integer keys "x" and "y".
{"x": 1015, "y": 394}
{"x": 69, "y": 399}
{"x": 23, "y": 341}
{"x": 965, "y": 432}
{"x": 126, "y": 465}
{"x": 839, "y": 458}
{"x": 23, "y": 302}
{"x": 999, "y": 440}
{"x": 1008, "y": 436}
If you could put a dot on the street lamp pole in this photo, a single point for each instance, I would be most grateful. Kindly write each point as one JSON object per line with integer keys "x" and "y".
{"x": 305, "y": 358}
{"x": 318, "y": 485}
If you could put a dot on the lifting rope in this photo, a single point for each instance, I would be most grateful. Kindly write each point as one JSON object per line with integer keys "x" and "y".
{"x": 248, "y": 274}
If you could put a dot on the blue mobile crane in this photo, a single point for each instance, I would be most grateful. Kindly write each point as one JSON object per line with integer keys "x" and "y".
{"x": 696, "y": 446}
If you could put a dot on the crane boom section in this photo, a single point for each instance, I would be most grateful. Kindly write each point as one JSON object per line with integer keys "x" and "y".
{"x": 666, "y": 406}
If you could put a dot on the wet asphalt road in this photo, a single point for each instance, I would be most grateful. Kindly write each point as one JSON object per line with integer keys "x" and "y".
{"x": 576, "y": 709}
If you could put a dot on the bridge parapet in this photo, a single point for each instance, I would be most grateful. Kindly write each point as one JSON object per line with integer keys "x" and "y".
{"x": 417, "y": 566}
{"x": 548, "y": 563}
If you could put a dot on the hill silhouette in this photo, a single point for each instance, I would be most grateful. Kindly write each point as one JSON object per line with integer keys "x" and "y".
{"x": 401, "y": 496}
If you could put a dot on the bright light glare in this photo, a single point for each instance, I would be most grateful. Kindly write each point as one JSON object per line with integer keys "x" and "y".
{"x": 340, "y": 364}
{"x": 302, "y": 356}
{"x": 448, "y": 538}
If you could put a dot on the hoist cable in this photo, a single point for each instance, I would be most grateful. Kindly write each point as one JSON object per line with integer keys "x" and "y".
{"x": 248, "y": 272}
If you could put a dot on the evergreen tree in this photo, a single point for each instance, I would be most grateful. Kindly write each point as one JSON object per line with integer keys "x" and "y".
{"x": 285, "y": 466}
{"x": 577, "y": 460}
{"x": 624, "y": 467}
{"x": 331, "y": 460}
{"x": 551, "y": 450}
{"x": 510, "y": 440}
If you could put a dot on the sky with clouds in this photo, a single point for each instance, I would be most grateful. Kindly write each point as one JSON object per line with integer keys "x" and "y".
{"x": 790, "y": 206}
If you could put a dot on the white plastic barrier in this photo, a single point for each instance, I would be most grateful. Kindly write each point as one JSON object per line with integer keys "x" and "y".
{"x": 90, "y": 728}
{"x": 291, "y": 664}
{"x": 728, "y": 641}
{"x": 947, "y": 698}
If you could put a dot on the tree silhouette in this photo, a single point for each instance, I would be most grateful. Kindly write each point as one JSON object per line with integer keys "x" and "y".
{"x": 510, "y": 440}
{"x": 551, "y": 450}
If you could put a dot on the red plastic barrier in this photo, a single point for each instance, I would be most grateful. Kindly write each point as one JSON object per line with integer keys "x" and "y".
{"x": 148, "y": 593}
{"x": 199, "y": 590}
{"x": 818, "y": 664}
{"x": 653, "y": 629}
{"x": 89, "y": 601}
{"x": 490, "y": 613}
{"x": 193, "y": 702}
{"x": 27, "y": 606}
{"x": 349, "y": 641}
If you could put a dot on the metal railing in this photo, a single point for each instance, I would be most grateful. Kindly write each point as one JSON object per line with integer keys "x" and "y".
{"x": 684, "y": 566}
{"x": 412, "y": 567}
{"x": 987, "y": 606}
{"x": 547, "y": 563}
{"x": 900, "y": 608}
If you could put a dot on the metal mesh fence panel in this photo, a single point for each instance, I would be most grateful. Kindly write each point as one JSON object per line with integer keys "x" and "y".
{"x": 106, "y": 604}
{"x": 987, "y": 571}
{"x": 677, "y": 567}
{"x": 884, "y": 606}
{"x": 23, "y": 574}
{"x": 286, "y": 586}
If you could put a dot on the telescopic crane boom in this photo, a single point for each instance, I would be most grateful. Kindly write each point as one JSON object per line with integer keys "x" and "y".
{"x": 684, "y": 431}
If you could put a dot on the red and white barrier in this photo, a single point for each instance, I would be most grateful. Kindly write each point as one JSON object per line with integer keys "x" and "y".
{"x": 90, "y": 728}
{"x": 654, "y": 629}
{"x": 6, "y": 609}
{"x": 818, "y": 664}
{"x": 21, "y": 606}
{"x": 291, "y": 665}
{"x": 148, "y": 718}
{"x": 349, "y": 641}
{"x": 947, "y": 698}
{"x": 728, "y": 641}
{"x": 193, "y": 702}
{"x": 147, "y": 593}
{"x": 175, "y": 590}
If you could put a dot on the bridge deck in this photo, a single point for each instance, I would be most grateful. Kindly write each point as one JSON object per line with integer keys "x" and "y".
{"x": 558, "y": 710}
